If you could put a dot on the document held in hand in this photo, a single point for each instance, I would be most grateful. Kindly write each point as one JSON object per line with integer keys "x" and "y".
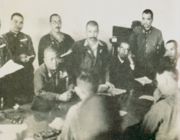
{"x": 144, "y": 80}
{"x": 9, "y": 67}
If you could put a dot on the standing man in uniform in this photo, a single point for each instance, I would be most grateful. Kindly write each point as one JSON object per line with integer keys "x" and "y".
{"x": 90, "y": 54}
{"x": 149, "y": 46}
{"x": 5, "y": 55}
{"x": 21, "y": 48}
{"x": 63, "y": 42}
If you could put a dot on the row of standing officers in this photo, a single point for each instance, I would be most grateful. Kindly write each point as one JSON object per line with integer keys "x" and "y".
{"x": 90, "y": 54}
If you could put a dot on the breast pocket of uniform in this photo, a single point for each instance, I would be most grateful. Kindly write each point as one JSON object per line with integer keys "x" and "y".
{"x": 151, "y": 46}
{"x": 23, "y": 42}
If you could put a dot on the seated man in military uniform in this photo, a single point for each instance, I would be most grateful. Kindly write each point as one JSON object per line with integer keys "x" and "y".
{"x": 162, "y": 120}
{"x": 101, "y": 111}
{"x": 121, "y": 68}
{"x": 90, "y": 54}
{"x": 51, "y": 79}
{"x": 171, "y": 53}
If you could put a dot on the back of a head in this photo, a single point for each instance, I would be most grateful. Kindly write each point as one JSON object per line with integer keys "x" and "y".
{"x": 167, "y": 83}
{"x": 98, "y": 119}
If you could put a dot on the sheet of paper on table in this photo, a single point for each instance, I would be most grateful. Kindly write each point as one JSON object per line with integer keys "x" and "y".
{"x": 9, "y": 67}
{"x": 144, "y": 80}
{"x": 105, "y": 90}
{"x": 117, "y": 91}
{"x": 10, "y": 131}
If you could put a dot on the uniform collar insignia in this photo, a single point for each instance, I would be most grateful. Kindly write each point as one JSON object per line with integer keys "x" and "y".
{"x": 147, "y": 31}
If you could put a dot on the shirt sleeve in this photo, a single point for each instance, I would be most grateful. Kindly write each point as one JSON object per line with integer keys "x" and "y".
{"x": 67, "y": 133}
{"x": 161, "y": 48}
{"x": 41, "y": 50}
{"x": 31, "y": 51}
{"x": 133, "y": 44}
{"x": 5, "y": 53}
{"x": 155, "y": 117}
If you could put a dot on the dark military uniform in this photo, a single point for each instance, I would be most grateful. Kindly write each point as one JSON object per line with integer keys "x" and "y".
{"x": 50, "y": 40}
{"x": 49, "y": 84}
{"x": 21, "y": 82}
{"x": 5, "y": 55}
{"x": 19, "y": 44}
{"x": 83, "y": 59}
{"x": 148, "y": 48}
{"x": 47, "y": 87}
{"x": 121, "y": 74}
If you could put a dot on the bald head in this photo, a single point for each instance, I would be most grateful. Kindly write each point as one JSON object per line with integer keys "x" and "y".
{"x": 51, "y": 58}
{"x": 92, "y": 30}
{"x": 49, "y": 50}
{"x": 166, "y": 83}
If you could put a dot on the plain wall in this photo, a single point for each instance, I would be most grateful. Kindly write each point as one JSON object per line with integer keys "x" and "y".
{"x": 75, "y": 14}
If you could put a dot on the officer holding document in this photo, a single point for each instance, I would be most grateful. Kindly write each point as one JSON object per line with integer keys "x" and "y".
{"x": 21, "y": 47}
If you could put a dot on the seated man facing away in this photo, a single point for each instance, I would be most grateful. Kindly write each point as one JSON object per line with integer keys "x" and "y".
{"x": 121, "y": 68}
{"x": 94, "y": 117}
{"x": 51, "y": 78}
{"x": 161, "y": 120}
{"x": 168, "y": 62}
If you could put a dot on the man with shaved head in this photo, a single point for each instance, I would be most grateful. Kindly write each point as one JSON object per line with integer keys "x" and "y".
{"x": 90, "y": 54}
{"x": 162, "y": 120}
{"x": 95, "y": 117}
{"x": 51, "y": 78}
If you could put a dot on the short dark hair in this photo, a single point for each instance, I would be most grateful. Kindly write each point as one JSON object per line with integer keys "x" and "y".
{"x": 16, "y": 14}
{"x": 54, "y": 14}
{"x": 172, "y": 41}
{"x": 92, "y": 22}
{"x": 149, "y": 11}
